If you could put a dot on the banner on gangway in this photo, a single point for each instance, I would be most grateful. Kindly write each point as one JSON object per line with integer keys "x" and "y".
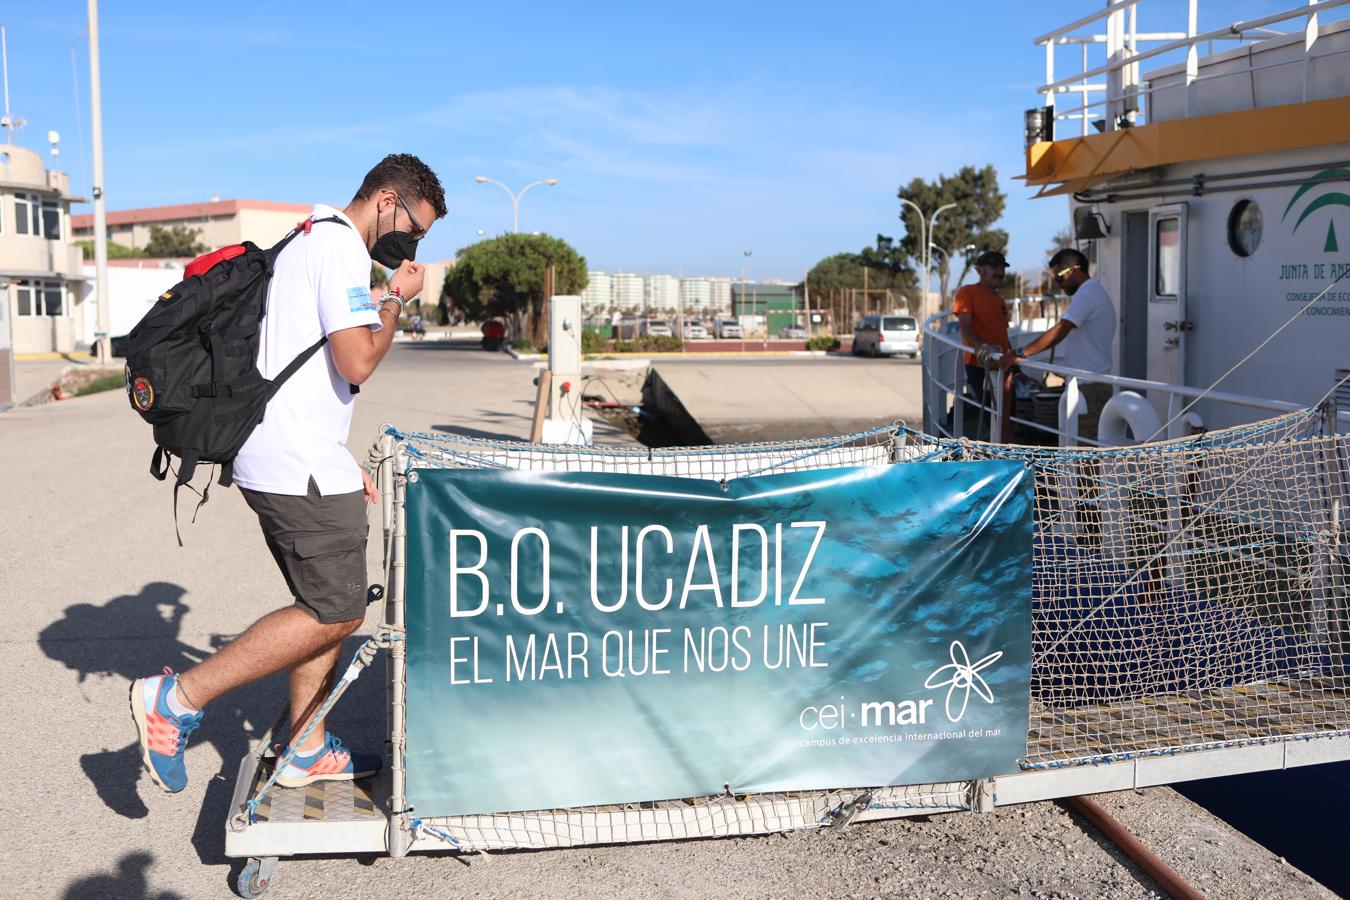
{"x": 590, "y": 638}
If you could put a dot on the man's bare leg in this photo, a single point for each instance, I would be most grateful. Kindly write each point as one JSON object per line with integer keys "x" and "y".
{"x": 311, "y": 680}
{"x": 279, "y": 640}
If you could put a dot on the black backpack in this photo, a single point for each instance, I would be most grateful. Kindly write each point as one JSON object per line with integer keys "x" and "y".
{"x": 192, "y": 361}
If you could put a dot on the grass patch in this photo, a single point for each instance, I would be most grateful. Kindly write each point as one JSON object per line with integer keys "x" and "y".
{"x": 102, "y": 383}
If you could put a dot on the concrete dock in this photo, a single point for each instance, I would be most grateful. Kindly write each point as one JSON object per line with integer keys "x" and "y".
{"x": 98, "y": 593}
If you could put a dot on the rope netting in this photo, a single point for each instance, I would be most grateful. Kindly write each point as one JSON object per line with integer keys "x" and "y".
{"x": 1189, "y": 594}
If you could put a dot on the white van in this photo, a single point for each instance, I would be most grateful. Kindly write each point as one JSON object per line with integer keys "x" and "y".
{"x": 727, "y": 329}
{"x": 886, "y": 336}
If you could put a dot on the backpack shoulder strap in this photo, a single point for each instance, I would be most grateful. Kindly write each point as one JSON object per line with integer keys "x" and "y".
{"x": 303, "y": 227}
{"x": 294, "y": 366}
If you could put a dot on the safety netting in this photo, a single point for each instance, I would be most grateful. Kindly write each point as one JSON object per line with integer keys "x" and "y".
{"x": 1187, "y": 595}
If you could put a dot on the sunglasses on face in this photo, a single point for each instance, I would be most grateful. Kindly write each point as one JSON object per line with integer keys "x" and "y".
{"x": 1060, "y": 275}
{"x": 420, "y": 231}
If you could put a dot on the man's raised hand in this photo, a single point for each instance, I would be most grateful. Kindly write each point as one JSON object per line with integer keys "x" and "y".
{"x": 408, "y": 279}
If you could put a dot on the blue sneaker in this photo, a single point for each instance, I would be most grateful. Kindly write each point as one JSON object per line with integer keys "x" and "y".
{"x": 331, "y": 762}
{"x": 163, "y": 735}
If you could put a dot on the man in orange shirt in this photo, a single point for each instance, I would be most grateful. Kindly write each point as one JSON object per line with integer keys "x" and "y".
{"x": 983, "y": 315}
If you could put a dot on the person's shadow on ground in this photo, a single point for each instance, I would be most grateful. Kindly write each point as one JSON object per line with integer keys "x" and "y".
{"x": 134, "y": 635}
{"x": 130, "y": 882}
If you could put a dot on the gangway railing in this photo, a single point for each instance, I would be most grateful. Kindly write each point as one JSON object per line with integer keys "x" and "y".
{"x": 947, "y": 406}
{"x": 1120, "y": 93}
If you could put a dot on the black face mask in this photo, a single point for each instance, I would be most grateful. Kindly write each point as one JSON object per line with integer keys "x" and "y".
{"x": 393, "y": 247}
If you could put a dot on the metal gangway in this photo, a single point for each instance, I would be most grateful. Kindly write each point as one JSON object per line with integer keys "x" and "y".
{"x": 1190, "y": 618}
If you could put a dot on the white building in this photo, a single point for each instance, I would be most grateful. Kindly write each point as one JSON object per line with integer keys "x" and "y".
{"x": 598, "y": 295}
{"x": 696, "y": 295}
{"x": 721, "y": 295}
{"x": 626, "y": 291}
{"x": 40, "y": 269}
{"x": 218, "y": 223}
{"x": 662, "y": 293}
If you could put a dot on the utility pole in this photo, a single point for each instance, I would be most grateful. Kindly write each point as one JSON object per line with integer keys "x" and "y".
{"x": 100, "y": 206}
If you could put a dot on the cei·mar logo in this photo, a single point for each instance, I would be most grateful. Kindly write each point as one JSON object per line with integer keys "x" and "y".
{"x": 963, "y": 678}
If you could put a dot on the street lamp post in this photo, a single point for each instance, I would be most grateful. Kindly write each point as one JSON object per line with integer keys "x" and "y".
{"x": 925, "y": 242}
{"x": 747, "y": 254}
{"x": 948, "y": 254}
{"x": 515, "y": 198}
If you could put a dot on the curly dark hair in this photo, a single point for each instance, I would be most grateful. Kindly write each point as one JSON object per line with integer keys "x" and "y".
{"x": 1069, "y": 256}
{"x": 410, "y": 177}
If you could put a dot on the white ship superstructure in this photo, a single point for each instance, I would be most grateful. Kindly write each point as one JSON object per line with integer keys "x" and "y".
{"x": 1208, "y": 180}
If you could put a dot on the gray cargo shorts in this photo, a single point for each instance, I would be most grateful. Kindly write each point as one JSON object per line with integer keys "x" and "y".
{"x": 319, "y": 544}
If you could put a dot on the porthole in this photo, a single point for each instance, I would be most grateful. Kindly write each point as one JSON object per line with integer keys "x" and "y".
{"x": 1244, "y": 227}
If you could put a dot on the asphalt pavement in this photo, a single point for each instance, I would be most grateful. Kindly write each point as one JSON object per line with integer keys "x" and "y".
{"x": 99, "y": 593}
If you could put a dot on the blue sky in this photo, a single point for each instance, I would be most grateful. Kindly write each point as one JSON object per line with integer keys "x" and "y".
{"x": 680, "y": 134}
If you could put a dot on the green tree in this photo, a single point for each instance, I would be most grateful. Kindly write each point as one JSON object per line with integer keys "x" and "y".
{"x": 115, "y": 251}
{"x": 1063, "y": 238}
{"x": 177, "y": 240}
{"x": 979, "y": 204}
{"x": 831, "y": 280}
{"x": 505, "y": 276}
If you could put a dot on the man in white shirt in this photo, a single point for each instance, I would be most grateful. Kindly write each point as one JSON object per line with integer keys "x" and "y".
{"x": 299, "y": 478}
{"x": 1087, "y": 329}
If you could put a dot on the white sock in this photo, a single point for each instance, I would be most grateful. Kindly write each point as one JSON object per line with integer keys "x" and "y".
{"x": 308, "y": 753}
{"x": 176, "y": 704}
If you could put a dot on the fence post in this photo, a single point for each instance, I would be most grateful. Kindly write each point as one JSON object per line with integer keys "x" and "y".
{"x": 959, "y": 396}
{"x": 996, "y": 417}
{"x": 1337, "y": 603}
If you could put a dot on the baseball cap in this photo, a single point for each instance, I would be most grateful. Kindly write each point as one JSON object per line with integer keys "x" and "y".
{"x": 991, "y": 258}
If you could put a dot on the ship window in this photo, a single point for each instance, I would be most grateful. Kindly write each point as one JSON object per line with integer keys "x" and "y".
{"x": 1167, "y": 250}
{"x": 1244, "y": 227}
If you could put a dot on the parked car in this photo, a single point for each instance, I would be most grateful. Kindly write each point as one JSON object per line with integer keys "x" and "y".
{"x": 886, "y": 336}
{"x": 693, "y": 330}
{"x": 727, "y": 329}
{"x": 656, "y": 328}
{"x": 792, "y": 333}
{"x": 117, "y": 345}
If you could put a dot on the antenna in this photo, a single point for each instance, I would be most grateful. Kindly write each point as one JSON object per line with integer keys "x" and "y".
{"x": 4, "y": 63}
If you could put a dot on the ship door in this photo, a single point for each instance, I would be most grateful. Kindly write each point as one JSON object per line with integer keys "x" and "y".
{"x": 1134, "y": 297}
{"x": 1167, "y": 323}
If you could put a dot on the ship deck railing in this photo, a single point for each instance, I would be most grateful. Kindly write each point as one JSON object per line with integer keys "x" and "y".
{"x": 949, "y": 411}
{"x": 1116, "y": 102}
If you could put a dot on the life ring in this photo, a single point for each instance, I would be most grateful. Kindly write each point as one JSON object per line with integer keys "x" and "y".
{"x": 1125, "y": 414}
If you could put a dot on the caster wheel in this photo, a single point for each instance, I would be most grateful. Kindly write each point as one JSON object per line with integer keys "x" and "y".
{"x": 255, "y": 877}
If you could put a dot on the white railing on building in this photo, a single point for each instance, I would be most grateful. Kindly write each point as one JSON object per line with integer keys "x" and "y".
{"x": 1122, "y": 39}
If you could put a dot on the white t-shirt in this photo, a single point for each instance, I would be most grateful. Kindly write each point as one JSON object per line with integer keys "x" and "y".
{"x": 1088, "y": 346}
{"x": 321, "y": 285}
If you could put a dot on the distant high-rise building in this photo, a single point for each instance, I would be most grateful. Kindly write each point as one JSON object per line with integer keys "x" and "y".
{"x": 721, "y": 294}
{"x": 662, "y": 292}
{"x": 696, "y": 295}
{"x": 626, "y": 291}
{"x": 598, "y": 295}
